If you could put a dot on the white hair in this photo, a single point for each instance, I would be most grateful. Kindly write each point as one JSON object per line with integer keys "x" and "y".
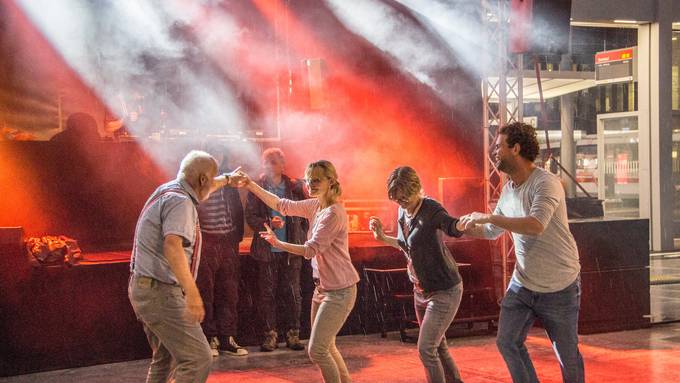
{"x": 195, "y": 163}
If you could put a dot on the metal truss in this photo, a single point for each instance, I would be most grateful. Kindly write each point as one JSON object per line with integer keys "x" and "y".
{"x": 502, "y": 98}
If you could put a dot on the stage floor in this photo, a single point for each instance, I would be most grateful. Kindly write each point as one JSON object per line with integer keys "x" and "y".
{"x": 643, "y": 356}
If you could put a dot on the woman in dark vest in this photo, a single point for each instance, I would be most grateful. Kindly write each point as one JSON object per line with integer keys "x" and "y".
{"x": 437, "y": 285}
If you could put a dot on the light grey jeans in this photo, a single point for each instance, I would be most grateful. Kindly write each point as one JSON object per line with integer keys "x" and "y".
{"x": 435, "y": 312}
{"x": 179, "y": 347}
{"x": 329, "y": 312}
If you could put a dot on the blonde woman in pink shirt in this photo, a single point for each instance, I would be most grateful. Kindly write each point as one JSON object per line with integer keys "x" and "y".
{"x": 328, "y": 245}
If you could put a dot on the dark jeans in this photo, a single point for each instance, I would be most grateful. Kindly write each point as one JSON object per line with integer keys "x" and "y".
{"x": 279, "y": 284}
{"x": 558, "y": 312}
{"x": 218, "y": 279}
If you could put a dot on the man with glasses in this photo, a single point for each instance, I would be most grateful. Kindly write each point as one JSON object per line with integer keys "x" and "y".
{"x": 279, "y": 272}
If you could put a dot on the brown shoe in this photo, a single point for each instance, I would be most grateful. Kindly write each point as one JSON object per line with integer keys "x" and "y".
{"x": 269, "y": 343}
{"x": 293, "y": 340}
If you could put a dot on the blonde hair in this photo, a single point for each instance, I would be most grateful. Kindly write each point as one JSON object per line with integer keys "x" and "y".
{"x": 194, "y": 164}
{"x": 334, "y": 191}
{"x": 403, "y": 179}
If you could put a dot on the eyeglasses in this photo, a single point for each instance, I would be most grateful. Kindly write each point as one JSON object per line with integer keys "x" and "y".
{"x": 314, "y": 181}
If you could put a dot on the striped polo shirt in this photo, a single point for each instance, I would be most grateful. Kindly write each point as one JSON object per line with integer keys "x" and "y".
{"x": 215, "y": 214}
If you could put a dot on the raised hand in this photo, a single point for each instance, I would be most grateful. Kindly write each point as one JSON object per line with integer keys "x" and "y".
{"x": 269, "y": 236}
{"x": 375, "y": 225}
{"x": 238, "y": 178}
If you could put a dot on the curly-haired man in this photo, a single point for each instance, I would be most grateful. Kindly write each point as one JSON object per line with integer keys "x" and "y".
{"x": 545, "y": 283}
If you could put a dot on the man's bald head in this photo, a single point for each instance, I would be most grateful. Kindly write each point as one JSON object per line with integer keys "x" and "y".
{"x": 198, "y": 169}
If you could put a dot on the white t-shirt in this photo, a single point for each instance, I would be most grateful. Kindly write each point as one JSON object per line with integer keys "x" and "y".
{"x": 547, "y": 262}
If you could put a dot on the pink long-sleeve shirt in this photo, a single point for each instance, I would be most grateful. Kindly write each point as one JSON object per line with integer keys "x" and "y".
{"x": 327, "y": 241}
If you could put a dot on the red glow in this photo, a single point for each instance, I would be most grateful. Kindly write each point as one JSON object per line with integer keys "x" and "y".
{"x": 376, "y": 122}
{"x": 378, "y": 116}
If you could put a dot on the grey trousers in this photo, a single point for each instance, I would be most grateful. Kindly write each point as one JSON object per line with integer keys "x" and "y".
{"x": 180, "y": 350}
{"x": 435, "y": 312}
{"x": 329, "y": 312}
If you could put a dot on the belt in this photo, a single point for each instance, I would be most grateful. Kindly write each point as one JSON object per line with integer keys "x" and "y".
{"x": 151, "y": 282}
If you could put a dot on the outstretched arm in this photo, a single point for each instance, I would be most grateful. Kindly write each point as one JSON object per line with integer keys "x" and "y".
{"x": 269, "y": 199}
{"x": 520, "y": 225}
{"x": 291, "y": 248}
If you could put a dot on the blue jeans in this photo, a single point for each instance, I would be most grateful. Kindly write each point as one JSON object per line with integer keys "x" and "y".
{"x": 435, "y": 312}
{"x": 558, "y": 312}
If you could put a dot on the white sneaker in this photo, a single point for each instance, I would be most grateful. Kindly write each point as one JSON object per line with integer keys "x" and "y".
{"x": 214, "y": 346}
{"x": 233, "y": 348}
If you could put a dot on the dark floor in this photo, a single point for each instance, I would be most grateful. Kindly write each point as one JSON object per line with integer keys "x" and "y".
{"x": 640, "y": 356}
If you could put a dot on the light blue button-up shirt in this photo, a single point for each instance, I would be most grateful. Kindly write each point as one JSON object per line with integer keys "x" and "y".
{"x": 171, "y": 213}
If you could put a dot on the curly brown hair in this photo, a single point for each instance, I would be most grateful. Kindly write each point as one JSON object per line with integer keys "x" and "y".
{"x": 524, "y": 135}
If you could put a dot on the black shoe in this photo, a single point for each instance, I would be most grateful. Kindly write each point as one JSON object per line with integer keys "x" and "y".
{"x": 229, "y": 346}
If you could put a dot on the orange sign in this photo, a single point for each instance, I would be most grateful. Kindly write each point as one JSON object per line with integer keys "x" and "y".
{"x": 616, "y": 55}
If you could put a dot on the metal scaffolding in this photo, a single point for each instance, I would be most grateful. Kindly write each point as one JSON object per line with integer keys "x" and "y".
{"x": 502, "y": 98}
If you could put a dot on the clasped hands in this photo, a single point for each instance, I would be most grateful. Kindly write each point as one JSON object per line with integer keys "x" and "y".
{"x": 469, "y": 221}
{"x": 236, "y": 179}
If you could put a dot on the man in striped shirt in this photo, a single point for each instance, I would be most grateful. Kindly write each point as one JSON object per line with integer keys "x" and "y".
{"x": 221, "y": 218}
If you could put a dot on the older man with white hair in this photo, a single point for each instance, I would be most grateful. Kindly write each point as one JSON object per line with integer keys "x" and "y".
{"x": 165, "y": 258}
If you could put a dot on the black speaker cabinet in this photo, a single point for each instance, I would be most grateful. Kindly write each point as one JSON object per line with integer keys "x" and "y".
{"x": 540, "y": 26}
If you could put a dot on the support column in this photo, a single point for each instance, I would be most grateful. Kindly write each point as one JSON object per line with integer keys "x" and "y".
{"x": 567, "y": 145}
{"x": 655, "y": 107}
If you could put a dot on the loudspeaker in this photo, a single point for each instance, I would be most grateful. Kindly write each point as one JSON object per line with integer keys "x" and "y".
{"x": 540, "y": 26}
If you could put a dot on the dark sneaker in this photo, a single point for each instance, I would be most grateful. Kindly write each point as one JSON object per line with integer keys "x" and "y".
{"x": 293, "y": 340}
{"x": 269, "y": 343}
{"x": 230, "y": 347}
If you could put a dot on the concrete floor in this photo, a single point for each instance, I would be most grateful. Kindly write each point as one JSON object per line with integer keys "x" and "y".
{"x": 641, "y": 356}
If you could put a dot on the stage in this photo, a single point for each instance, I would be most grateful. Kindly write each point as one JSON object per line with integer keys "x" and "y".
{"x": 60, "y": 317}
{"x": 644, "y": 356}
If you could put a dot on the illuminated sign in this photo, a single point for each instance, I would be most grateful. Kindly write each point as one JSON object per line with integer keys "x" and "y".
{"x": 618, "y": 65}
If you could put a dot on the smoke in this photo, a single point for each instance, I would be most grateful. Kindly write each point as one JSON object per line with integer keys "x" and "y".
{"x": 400, "y": 88}
{"x": 426, "y": 38}
{"x": 380, "y": 23}
{"x": 154, "y": 63}
{"x": 458, "y": 24}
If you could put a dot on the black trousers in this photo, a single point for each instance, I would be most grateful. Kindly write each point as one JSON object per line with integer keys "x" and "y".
{"x": 279, "y": 292}
{"x": 219, "y": 274}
